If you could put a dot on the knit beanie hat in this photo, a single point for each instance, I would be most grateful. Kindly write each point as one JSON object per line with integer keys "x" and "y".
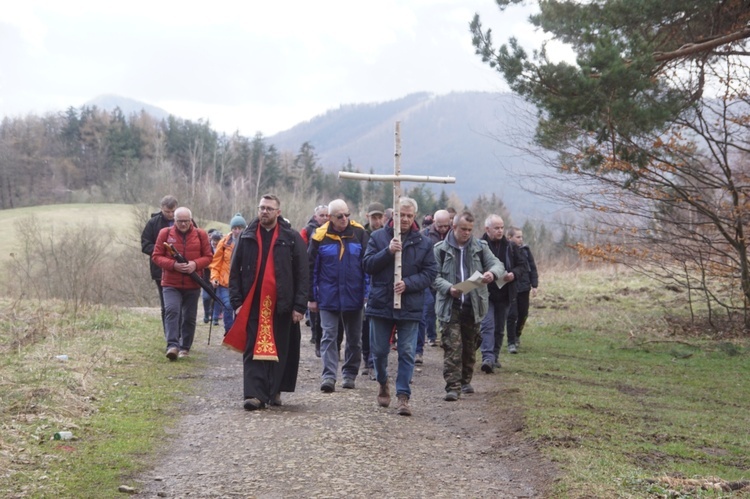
{"x": 237, "y": 221}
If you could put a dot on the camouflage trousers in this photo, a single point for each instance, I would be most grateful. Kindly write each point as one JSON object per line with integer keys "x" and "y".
{"x": 460, "y": 339}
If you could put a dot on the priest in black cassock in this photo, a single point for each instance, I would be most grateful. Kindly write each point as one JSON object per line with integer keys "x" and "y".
{"x": 268, "y": 285}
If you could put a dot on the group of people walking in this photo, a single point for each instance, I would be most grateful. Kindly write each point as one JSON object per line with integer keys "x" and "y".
{"x": 372, "y": 288}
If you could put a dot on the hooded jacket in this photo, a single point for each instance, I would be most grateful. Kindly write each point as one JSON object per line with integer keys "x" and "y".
{"x": 448, "y": 258}
{"x": 337, "y": 280}
{"x": 418, "y": 270}
{"x": 222, "y": 260}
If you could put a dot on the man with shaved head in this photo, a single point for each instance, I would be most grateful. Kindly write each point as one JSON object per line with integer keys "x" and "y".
{"x": 436, "y": 232}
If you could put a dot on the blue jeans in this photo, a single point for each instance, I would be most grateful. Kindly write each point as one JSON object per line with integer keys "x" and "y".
{"x": 491, "y": 329}
{"x": 208, "y": 314}
{"x": 228, "y": 312}
{"x": 180, "y": 310}
{"x": 329, "y": 348}
{"x": 380, "y": 335}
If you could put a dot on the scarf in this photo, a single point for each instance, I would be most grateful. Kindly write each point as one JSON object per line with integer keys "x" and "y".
{"x": 265, "y": 343}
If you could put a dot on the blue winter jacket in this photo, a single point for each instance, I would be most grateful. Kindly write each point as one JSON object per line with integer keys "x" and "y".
{"x": 418, "y": 270}
{"x": 337, "y": 280}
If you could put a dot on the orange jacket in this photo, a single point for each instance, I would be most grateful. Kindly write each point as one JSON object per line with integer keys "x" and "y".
{"x": 222, "y": 261}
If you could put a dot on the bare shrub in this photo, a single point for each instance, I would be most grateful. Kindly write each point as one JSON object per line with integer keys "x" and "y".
{"x": 78, "y": 265}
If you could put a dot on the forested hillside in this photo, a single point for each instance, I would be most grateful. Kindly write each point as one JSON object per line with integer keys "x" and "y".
{"x": 101, "y": 153}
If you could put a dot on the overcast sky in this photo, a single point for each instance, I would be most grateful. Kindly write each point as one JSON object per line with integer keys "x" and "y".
{"x": 244, "y": 65}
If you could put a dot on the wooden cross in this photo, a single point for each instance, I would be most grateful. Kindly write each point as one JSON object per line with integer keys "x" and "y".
{"x": 396, "y": 178}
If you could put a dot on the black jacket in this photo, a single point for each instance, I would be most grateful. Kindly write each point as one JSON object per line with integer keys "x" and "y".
{"x": 510, "y": 255}
{"x": 148, "y": 238}
{"x": 290, "y": 264}
{"x": 530, "y": 278}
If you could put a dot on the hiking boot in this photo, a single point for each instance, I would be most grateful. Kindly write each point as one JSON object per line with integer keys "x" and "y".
{"x": 328, "y": 385}
{"x": 182, "y": 354}
{"x": 348, "y": 383}
{"x": 253, "y": 404}
{"x": 275, "y": 400}
{"x": 317, "y": 352}
{"x": 487, "y": 367}
{"x": 418, "y": 359}
{"x": 216, "y": 322}
{"x": 512, "y": 348}
{"x": 403, "y": 406}
{"x": 365, "y": 371}
{"x": 433, "y": 343}
{"x": 451, "y": 396}
{"x": 206, "y": 320}
{"x": 384, "y": 395}
{"x": 467, "y": 388}
{"x": 172, "y": 353}
{"x": 496, "y": 365}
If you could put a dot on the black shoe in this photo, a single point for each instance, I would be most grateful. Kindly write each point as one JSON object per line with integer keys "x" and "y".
{"x": 275, "y": 400}
{"x": 317, "y": 352}
{"x": 328, "y": 385}
{"x": 216, "y": 323}
{"x": 451, "y": 396}
{"x": 253, "y": 404}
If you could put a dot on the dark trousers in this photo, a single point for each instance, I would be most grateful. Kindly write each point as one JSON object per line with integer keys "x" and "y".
{"x": 518, "y": 314}
{"x": 161, "y": 301}
{"x": 366, "y": 359}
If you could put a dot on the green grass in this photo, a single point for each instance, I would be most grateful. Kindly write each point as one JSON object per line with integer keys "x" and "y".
{"x": 116, "y": 393}
{"x": 616, "y": 400}
{"x": 613, "y": 393}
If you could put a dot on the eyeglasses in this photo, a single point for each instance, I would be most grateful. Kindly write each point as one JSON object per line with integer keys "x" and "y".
{"x": 342, "y": 215}
{"x": 182, "y": 221}
{"x": 266, "y": 208}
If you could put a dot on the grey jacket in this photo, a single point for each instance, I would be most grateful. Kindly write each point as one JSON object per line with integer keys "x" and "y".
{"x": 447, "y": 256}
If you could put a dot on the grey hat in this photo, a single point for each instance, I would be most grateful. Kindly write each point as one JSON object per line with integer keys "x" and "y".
{"x": 375, "y": 209}
{"x": 237, "y": 221}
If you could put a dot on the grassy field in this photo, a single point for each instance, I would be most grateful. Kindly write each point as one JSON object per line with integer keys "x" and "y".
{"x": 618, "y": 393}
{"x": 621, "y": 400}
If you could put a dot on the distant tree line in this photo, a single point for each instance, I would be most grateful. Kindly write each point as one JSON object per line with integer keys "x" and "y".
{"x": 92, "y": 155}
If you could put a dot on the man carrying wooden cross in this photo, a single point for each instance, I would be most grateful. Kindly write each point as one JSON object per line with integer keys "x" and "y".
{"x": 417, "y": 273}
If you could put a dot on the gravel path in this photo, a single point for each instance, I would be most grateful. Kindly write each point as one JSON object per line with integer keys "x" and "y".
{"x": 344, "y": 445}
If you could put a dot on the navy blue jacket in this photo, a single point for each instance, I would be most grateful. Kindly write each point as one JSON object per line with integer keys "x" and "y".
{"x": 418, "y": 270}
{"x": 337, "y": 281}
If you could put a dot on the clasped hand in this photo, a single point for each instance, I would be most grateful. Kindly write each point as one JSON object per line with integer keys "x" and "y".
{"x": 185, "y": 268}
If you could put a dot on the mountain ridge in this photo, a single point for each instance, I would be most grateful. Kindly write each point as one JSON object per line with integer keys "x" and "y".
{"x": 473, "y": 136}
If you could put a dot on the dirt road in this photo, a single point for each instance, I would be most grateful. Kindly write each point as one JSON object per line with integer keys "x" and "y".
{"x": 342, "y": 444}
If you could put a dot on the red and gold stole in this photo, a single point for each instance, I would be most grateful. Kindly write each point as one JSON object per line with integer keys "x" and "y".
{"x": 265, "y": 343}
